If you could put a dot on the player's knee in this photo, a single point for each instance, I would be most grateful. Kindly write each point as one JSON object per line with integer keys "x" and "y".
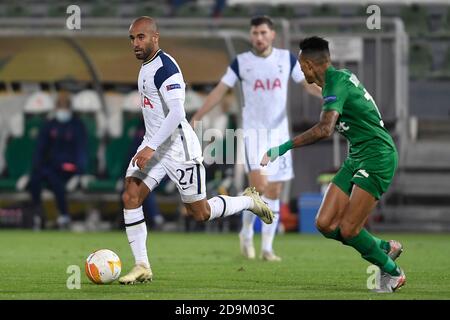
{"x": 271, "y": 193}
{"x": 131, "y": 200}
{"x": 324, "y": 225}
{"x": 349, "y": 230}
{"x": 260, "y": 185}
{"x": 261, "y": 188}
{"x": 273, "y": 190}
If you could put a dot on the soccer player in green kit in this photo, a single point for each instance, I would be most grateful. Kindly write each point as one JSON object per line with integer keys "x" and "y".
{"x": 366, "y": 173}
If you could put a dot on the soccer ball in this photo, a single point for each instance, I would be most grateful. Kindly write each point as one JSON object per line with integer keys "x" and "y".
{"x": 103, "y": 266}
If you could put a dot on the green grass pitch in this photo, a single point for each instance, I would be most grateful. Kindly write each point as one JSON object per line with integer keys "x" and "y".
{"x": 208, "y": 266}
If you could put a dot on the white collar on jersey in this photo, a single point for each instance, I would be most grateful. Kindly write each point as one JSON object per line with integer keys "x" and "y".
{"x": 260, "y": 56}
{"x": 152, "y": 58}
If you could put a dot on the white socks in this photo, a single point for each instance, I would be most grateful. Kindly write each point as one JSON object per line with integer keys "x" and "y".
{"x": 137, "y": 234}
{"x": 248, "y": 219}
{"x": 224, "y": 206}
{"x": 267, "y": 230}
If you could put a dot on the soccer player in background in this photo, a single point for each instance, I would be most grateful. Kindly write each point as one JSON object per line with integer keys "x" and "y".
{"x": 264, "y": 73}
{"x": 170, "y": 147}
{"x": 366, "y": 173}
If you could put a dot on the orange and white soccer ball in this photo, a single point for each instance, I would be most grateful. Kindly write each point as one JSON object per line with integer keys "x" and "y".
{"x": 103, "y": 266}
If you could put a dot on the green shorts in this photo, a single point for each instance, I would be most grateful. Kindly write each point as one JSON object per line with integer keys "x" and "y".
{"x": 373, "y": 174}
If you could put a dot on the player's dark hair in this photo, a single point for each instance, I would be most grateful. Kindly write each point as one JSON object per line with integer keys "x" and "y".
{"x": 259, "y": 20}
{"x": 315, "y": 48}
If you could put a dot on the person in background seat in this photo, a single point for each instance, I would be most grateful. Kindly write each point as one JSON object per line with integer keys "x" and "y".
{"x": 60, "y": 153}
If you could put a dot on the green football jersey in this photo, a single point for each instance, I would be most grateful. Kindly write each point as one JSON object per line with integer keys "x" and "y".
{"x": 360, "y": 120}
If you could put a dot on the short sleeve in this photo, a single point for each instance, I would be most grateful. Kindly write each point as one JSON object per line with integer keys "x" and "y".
{"x": 173, "y": 88}
{"x": 232, "y": 74}
{"x": 296, "y": 72}
{"x": 169, "y": 80}
{"x": 334, "y": 95}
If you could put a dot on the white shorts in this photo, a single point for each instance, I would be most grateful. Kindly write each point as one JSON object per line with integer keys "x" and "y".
{"x": 189, "y": 176}
{"x": 257, "y": 145}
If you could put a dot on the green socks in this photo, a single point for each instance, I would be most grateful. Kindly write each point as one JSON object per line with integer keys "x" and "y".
{"x": 365, "y": 244}
{"x": 383, "y": 244}
{"x": 335, "y": 234}
{"x": 371, "y": 249}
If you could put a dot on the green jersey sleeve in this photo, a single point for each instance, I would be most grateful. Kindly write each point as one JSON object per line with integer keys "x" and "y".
{"x": 334, "y": 94}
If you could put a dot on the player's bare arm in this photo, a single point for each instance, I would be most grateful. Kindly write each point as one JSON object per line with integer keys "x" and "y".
{"x": 212, "y": 100}
{"x": 313, "y": 89}
{"x": 321, "y": 130}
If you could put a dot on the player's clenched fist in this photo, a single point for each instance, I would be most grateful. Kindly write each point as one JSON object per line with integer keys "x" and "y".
{"x": 270, "y": 155}
{"x": 276, "y": 152}
{"x": 142, "y": 157}
{"x": 265, "y": 160}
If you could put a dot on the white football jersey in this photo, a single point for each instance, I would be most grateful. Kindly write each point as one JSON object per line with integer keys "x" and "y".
{"x": 264, "y": 83}
{"x": 160, "y": 80}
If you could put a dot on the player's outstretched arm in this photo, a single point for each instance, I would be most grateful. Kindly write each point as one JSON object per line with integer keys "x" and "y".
{"x": 212, "y": 100}
{"x": 321, "y": 130}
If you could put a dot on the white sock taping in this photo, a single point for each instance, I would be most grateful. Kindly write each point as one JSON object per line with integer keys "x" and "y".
{"x": 136, "y": 230}
{"x": 224, "y": 206}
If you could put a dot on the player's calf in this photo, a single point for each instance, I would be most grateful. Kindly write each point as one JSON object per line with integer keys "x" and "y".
{"x": 199, "y": 210}
{"x": 131, "y": 199}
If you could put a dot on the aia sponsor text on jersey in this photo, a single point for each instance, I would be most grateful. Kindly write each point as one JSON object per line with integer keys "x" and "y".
{"x": 146, "y": 102}
{"x": 267, "y": 84}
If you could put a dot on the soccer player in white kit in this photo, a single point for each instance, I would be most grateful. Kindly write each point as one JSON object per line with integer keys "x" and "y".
{"x": 264, "y": 74}
{"x": 170, "y": 147}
